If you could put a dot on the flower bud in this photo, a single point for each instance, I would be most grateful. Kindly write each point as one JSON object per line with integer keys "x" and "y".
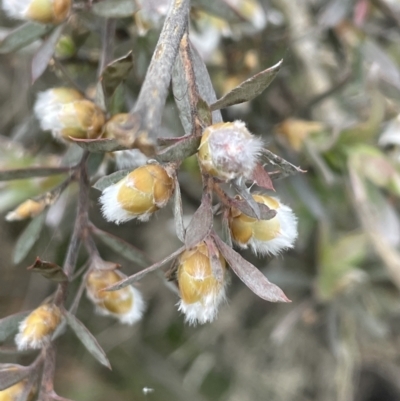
{"x": 37, "y": 328}
{"x": 138, "y": 195}
{"x": 201, "y": 293}
{"x": 126, "y": 304}
{"x": 14, "y": 392}
{"x": 66, "y": 113}
{"x": 26, "y": 210}
{"x": 44, "y": 11}
{"x": 228, "y": 150}
{"x": 265, "y": 236}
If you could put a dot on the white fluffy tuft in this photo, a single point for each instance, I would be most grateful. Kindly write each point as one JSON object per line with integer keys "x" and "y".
{"x": 204, "y": 311}
{"x": 235, "y": 151}
{"x": 47, "y": 110}
{"x": 24, "y": 342}
{"x": 129, "y": 318}
{"x": 16, "y": 8}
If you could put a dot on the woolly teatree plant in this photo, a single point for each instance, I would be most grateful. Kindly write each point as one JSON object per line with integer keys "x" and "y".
{"x": 89, "y": 122}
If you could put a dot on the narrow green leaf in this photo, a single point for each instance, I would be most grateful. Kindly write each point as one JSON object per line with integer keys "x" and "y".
{"x": 178, "y": 212}
{"x": 49, "y": 270}
{"x": 122, "y": 247}
{"x": 111, "y": 179}
{"x": 11, "y": 373}
{"x": 9, "y": 324}
{"x": 179, "y": 151}
{"x": 248, "y": 89}
{"x": 98, "y": 145}
{"x": 115, "y": 73}
{"x": 87, "y": 339}
{"x": 23, "y": 36}
{"x": 21, "y": 173}
{"x": 94, "y": 163}
{"x": 139, "y": 275}
{"x": 115, "y": 8}
{"x": 28, "y": 238}
{"x": 42, "y": 57}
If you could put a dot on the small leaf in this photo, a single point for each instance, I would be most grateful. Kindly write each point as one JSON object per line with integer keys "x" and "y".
{"x": 213, "y": 254}
{"x": 110, "y": 179}
{"x": 42, "y": 57}
{"x": 262, "y": 178}
{"x": 49, "y": 270}
{"x": 265, "y": 212}
{"x": 99, "y": 97}
{"x": 178, "y": 212}
{"x": 23, "y": 36}
{"x": 226, "y": 231}
{"x": 138, "y": 276}
{"x": 122, "y": 247}
{"x": 115, "y": 73}
{"x": 204, "y": 84}
{"x": 115, "y": 8}
{"x": 87, "y": 339}
{"x": 94, "y": 162}
{"x": 28, "y": 238}
{"x": 98, "y": 145}
{"x": 244, "y": 192}
{"x": 285, "y": 168}
{"x": 185, "y": 147}
{"x": 248, "y": 89}
{"x": 21, "y": 173}
{"x": 250, "y": 275}
{"x": 201, "y": 223}
{"x": 9, "y": 325}
{"x": 204, "y": 112}
{"x": 11, "y": 374}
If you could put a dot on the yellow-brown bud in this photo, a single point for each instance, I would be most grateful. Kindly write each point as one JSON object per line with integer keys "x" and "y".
{"x": 48, "y": 11}
{"x": 26, "y": 210}
{"x": 36, "y": 329}
{"x": 264, "y": 236}
{"x": 200, "y": 291}
{"x": 125, "y": 304}
{"x": 141, "y": 193}
{"x": 229, "y": 150}
{"x": 14, "y": 392}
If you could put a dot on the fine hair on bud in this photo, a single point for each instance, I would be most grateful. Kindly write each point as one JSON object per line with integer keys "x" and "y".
{"x": 201, "y": 292}
{"x": 36, "y": 330}
{"x": 229, "y": 150}
{"x": 126, "y": 304}
{"x": 265, "y": 236}
{"x": 137, "y": 196}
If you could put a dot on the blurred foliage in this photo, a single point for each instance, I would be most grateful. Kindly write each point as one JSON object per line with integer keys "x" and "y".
{"x": 331, "y": 110}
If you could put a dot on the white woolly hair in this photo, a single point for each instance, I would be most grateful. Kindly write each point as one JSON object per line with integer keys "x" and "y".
{"x": 130, "y": 317}
{"x": 286, "y": 238}
{"x": 205, "y": 310}
{"x": 113, "y": 211}
{"x": 24, "y": 341}
{"x": 47, "y": 110}
{"x": 16, "y": 8}
{"x": 235, "y": 151}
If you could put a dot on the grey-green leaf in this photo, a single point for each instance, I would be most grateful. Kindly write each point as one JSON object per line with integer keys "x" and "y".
{"x": 115, "y": 73}
{"x": 21, "y": 173}
{"x": 115, "y": 8}
{"x": 28, "y": 238}
{"x": 11, "y": 373}
{"x": 180, "y": 150}
{"x": 99, "y": 145}
{"x": 23, "y": 36}
{"x": 42, "y": 57}
{"x": 111, "y": 179}
{"x": 248, "y": 89}
{"x": 178, "y": 212}
{"x": 122, "y": 247}
{"x": 9, "y": 325}
{"x": 87, "y": 339}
